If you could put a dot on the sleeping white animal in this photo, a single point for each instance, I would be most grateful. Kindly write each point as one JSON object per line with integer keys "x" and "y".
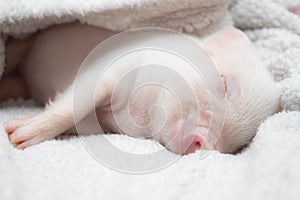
{"x": 46, "y": 63}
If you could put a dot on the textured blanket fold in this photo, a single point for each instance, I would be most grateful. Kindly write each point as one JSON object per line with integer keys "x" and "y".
{"x": 20, "y": 18}
{"x": 62, "y": 169}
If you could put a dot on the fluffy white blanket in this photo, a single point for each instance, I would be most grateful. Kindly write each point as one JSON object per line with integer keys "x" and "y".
{"x": 63, "y": 169}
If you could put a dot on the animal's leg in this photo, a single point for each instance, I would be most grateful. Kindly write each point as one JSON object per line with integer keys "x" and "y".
{"x": 15, "y": 51}
{"x": 54, "y": 120}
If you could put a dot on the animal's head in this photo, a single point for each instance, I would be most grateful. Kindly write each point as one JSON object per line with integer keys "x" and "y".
{"x": 250, "y": 97}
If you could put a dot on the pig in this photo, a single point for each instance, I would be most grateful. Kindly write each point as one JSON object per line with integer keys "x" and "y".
{"x": 44, "y": 66}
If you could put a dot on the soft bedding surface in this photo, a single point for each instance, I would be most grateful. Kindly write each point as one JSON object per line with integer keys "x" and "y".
{"x": 63, "y": 169}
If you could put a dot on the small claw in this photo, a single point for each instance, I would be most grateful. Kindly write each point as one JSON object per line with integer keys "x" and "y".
{"x": 17, "y": 137}
{"x": 25, "y": 144}
{"x": 11, "y": 125}
{"x": 8, "y": 128}
{"x": 21, "y": 146}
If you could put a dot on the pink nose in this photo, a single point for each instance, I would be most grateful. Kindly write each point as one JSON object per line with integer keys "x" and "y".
{"x": 186, "y": 143}
{"x": 295, "y": 10}
{"x": 192, "y": 143}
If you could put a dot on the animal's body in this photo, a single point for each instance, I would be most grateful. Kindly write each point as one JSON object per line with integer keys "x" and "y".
{"x": 47, "y": 62}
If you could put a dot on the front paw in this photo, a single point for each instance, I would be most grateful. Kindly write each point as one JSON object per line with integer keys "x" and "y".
{"x": 29, "y": 130}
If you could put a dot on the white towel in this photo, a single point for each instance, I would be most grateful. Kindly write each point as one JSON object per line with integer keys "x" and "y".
{"x": 62, "y": 169}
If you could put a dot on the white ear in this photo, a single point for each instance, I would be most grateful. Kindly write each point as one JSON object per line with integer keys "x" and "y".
{"x": 228, "y": 39}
